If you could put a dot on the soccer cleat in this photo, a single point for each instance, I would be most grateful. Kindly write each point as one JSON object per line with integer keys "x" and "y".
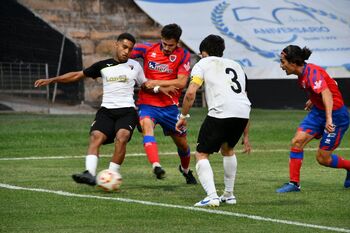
{"x": 210, "y": 202}
{"x": 84, "y": 178}
{"x": 159, "y": 172}
{"x": 288, "y": 187}
{"x": 189, "y": 176}
{"x": 347, "y": 180}
{"x": 229, "y": 200}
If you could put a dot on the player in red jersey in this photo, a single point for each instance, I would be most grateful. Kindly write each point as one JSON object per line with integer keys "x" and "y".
{"x": 327, "y": 120}
{"x": 166, "y": 64}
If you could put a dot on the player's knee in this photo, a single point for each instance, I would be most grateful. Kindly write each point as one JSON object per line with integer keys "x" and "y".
{"x": 323, "y": 159}
{"x": 297, "y": 143}
{"x": 122, "y": 138}
{"x": 96, "y": 138}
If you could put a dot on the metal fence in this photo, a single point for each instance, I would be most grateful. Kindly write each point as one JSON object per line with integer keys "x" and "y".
{"x": 18, "y": 79}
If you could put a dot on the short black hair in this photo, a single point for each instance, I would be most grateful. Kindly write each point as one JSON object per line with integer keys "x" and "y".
{"x": 171, "y": 31}
{"x": 214, "y": 45}
{"x": 295, "y": 54}
{"x": 127, "y": 36}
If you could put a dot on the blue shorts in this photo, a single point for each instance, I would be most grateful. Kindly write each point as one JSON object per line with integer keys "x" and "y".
{"x": 314, "y": 124}
{"x": 166, "y": 117}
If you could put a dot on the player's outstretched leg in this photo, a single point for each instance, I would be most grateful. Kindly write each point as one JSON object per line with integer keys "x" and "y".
{"x": 206, "y": 178}
{"x": 88, "y": 176}
{"x": 84, "y": 178}
{"x": 295, "y": 161}
{"x": 185, "y": 157}
{"x": 151, "y": 149}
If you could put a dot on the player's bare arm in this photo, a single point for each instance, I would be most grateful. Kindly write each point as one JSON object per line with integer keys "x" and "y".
{"x": 308, "y": 105}
{"x": 65, "y": 78}
{"x": 167, "y": 90}
{"x": 188, "y": 101}
{"x": 327, "y": 99}
{"x": 180, "y": 82}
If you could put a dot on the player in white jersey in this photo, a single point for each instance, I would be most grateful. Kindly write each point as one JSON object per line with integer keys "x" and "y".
{"x": 228, "y": 115}
{"x": 116, "y": 119}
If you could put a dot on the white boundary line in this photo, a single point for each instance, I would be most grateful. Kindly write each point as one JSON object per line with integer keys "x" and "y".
{"x": 161, "y": 153}
{"x": 206, "y": 210}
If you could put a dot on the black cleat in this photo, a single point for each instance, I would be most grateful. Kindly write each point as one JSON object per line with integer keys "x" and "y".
{"x": 189, "y": 176}
{"x": 84, "y": 178}
{"x": 159, "y": 172}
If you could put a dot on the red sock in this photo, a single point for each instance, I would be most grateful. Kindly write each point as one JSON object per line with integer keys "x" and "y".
{"x": 185, "y": 157}
{"x": 185, "y": 161}
{"x": 340, "y": 162}
{"x": 151, "y": 149}
{"x": 295, "y": 162}
{"x": 294, "y": 169}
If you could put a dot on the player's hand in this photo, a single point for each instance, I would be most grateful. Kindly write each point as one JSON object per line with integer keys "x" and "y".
{"x": 246, "y": 144}
{"x": 181, "y": 123}
{"x": 41, "y": 82}
{"x": 151, "y": 83}
{"x": 308, "y": 105}
{"x": 330, "y": 127}
{"x": 169, "y": 91}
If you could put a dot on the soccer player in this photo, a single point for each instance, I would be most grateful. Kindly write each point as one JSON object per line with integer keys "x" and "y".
{"x": 165, "y": 64}
{"x": 327, "y": 120}
{"x": 116, "y": 119}
{"x": 228, "y": 115}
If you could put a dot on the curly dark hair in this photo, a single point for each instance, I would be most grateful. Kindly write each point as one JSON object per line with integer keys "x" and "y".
{"x": 295, "y": 54}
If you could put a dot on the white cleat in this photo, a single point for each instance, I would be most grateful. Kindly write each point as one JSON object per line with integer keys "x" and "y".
{"x": 229, "y": 200}
{"x": 211, "y": 202}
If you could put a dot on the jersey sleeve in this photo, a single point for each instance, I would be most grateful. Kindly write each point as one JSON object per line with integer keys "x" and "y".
{"x": 140, "y": 79}
{"x": 197, "y": 76}
{"x": 316, "y": 80}
{"x": 140, "y": 50}
{"x": 185, "y": 66}
{"x": 94, "y": 71}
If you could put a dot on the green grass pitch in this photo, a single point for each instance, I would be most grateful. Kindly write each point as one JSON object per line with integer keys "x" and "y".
{"x": 38, "y": 153}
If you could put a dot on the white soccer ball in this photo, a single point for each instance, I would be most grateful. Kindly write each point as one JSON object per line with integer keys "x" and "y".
{"x": 109, "y": 180}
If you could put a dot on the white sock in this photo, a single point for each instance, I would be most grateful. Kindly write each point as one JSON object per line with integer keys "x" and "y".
{"x": 206, "y": 177}
{"x": 230, "y": 169}
{"x": 91, "y": 162}
{"x": 114, "y": 167}
{"x": 156, "y": 164}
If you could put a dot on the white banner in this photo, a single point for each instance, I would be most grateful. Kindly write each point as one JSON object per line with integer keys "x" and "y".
{"x": 256, "y": 31}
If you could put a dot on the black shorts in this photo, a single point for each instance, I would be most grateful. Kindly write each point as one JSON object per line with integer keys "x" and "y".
{"x": 109, "y": 121}
{"x": 214, "y": 132}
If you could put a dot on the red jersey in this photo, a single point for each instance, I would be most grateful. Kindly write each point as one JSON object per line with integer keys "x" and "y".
{"x": 158, "y": 66}
{"x": 314, "y": 80}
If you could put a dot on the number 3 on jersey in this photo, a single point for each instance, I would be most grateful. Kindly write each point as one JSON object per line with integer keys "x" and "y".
{"x": 237, "y": 86}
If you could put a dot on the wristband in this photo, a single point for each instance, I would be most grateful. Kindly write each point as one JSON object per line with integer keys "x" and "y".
{"x": 184, "y": 116}
{"x": 156, "y": 89}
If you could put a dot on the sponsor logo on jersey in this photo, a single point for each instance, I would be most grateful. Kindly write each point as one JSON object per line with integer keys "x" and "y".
{"x": 172, "y": 58}
{"x": 164, "y": 68}
{"x": 109, "y": 64}
{"x": 318, "y": 84}
{"x": 187, "y": 66}
{"x": 121, "y": 78}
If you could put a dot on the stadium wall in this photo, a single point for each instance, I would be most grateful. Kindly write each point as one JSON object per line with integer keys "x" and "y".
{"x": 93, "y": 25}
{"x": 28, "y": 39}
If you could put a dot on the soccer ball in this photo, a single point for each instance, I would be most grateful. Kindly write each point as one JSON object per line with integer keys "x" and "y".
{"x": 108, "y": 180}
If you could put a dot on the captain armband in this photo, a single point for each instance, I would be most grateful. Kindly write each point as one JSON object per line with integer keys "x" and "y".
{"x": 197, "y": 80}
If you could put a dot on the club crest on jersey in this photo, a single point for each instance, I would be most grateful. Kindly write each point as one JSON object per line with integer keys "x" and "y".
{"x": 164, "y": 68}
{"x": 153, "y": 55}
{"x": 131, "y": 67}
{"x": 172, "y": 58}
